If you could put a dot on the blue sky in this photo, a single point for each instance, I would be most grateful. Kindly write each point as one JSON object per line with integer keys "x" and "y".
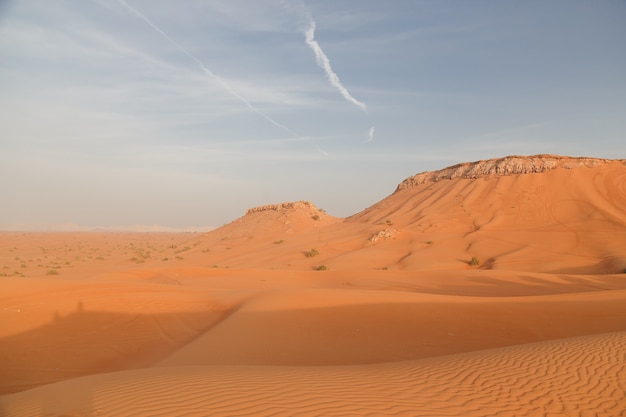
{"x": 184, "y": 114}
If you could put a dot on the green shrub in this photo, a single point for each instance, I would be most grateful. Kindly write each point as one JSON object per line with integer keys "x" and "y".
{"x": 474, "y": 262}
{"x": 321, "y": 268}
{"x": 311, "y": 253}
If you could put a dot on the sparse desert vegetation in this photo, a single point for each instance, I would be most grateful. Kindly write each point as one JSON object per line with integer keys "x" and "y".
{"x": 311, "y": 253}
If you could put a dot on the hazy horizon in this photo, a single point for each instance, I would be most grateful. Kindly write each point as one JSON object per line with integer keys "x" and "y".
{"x": 153, "y": 115}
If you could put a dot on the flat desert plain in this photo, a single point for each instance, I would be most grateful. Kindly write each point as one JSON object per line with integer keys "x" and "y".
{"x": 493, "y": 288}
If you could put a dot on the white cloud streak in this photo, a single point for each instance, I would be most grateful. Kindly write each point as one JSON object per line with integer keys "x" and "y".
{"x": 370, "y": 136}
{"x": 207, "y": 71}
{"x": 323, "y": 61}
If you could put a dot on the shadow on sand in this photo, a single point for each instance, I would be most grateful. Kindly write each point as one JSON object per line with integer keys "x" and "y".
{"x": 92, "y": 342}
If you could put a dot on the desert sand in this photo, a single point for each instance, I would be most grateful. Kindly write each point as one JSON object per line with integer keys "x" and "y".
{"x": 493, "y": 288}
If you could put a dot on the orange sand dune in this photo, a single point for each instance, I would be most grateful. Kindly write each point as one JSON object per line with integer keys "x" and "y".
{"x": 290, "y": 311}
{"x": 567, "y": 377}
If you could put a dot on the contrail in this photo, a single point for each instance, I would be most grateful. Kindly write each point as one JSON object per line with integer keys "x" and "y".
{"x": 324, "y": 62}
{"x": 370, "y": 136}
{"x": 207, "y": 71}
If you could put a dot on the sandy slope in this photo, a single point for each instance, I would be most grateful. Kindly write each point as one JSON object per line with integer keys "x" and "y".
{"x": 238, "y": 322}
{"x": 569, "y": 377}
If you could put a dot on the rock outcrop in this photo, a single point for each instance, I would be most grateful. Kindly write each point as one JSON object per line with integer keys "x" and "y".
{"x": 284, "y": 206}
{"x": 383, "y": 235}
{"x": 510, "y": 165}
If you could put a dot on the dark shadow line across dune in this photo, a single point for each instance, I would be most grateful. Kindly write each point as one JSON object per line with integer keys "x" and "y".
{"x": 88, "y": 342}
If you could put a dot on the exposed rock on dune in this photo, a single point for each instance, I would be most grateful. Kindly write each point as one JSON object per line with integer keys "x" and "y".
{"x": 509, "y": 165}
{"x": 289, "y": 213}
{"x": 383, "y": 235}
{"x": 296, "y": 205}
{"x": 289, "y": 217}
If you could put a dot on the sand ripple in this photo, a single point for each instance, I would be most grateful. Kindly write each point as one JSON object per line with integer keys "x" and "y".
{"x": 583, "y": 376}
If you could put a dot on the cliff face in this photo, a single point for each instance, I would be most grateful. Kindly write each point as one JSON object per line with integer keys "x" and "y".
{"x": 510, "y": 165}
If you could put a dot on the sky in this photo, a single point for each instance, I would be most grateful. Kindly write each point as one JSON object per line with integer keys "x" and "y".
{"x": 181, "y": 115}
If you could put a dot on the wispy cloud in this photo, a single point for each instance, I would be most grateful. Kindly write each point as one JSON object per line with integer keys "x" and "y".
{"x": 206, "y": 70}
{"x": 370, "y": 136}
{"x": 323, "y": 61}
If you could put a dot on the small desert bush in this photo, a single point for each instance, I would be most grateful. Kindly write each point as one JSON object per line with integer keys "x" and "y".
{"x": 52, "y": 272}
{"x": 315, "y": 217}
{"x": 278, "y": 242}
{"x": 474, "y": 262}
{"x": 185, "y": 249}
{"x": 311, "y": 253}
{"x": 321, "y": 268}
